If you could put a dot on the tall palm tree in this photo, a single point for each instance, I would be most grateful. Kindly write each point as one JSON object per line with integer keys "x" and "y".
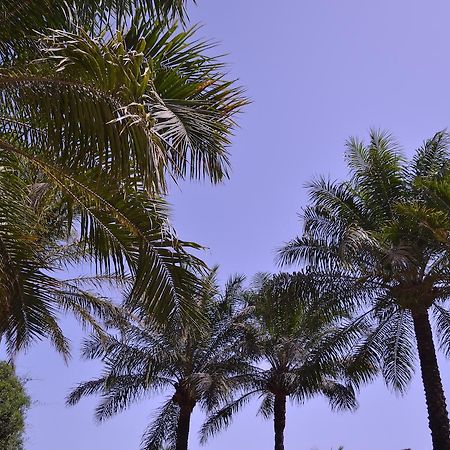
{"x": 385, "y": 234}
{"x": 195, "y": 364}
{"x": 297, "y": 353}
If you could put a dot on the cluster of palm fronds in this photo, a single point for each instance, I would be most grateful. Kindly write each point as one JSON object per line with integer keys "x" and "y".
{"x": 101, "y": 102}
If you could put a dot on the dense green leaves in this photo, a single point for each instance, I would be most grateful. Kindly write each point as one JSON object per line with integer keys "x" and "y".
{"x": 196, "y": 365}
{"x": 385, "y": 234}
{"x": 139, "y": 104}
{"x": 21, "y": 22}
{"x": 32, "y": 231}
{"x": 101, "y": 102}
{"x": 297, "y": 349}
{"x": 13, "y": 405}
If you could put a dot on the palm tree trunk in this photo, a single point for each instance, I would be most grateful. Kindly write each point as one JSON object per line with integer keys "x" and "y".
{"x": 184, "y": 423}
{"x": 434, "y": 392}
{"x": 279, "y": 420}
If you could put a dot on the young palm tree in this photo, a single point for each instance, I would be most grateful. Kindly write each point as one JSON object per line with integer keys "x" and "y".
{"x": 297, "y": 353}
{"x": 196, "y": 365}
{"x": 384, "y": 233}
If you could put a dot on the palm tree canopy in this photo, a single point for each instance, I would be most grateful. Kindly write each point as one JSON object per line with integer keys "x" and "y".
{"x": 138, "y": 104}
{"x": 104, "y": 119}
{"x": 385, "y": 234}
{"x": 297, "y": 349}
{"x": 198, "y": 364}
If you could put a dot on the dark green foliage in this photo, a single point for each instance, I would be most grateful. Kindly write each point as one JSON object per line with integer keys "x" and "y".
{"x": 196, "y": 364}
{"x": 114, "y": 102}
{"x": 384, "y": 235}
{"x": 14, "y": 403}
{"x": 297, "y": 351}
{"x": 21, "y": 23}
{"x": 32, "y": 249}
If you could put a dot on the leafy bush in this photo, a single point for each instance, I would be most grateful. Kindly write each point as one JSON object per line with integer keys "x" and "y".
{"x": 14, "y": 403}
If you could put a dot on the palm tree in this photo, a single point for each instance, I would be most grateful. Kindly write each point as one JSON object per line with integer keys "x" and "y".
{"x": 384, "y": 233}
{"x": 104, "y": 119}
{"x": 297, "y": 353}
{"x": 141, "y": 104}
{"x": 195, "y": 364}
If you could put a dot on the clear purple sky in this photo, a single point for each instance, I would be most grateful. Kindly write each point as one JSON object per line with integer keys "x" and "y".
{"x": 317, "y": 71}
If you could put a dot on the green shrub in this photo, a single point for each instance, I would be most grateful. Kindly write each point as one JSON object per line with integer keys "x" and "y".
{"x": 14, "y": 403}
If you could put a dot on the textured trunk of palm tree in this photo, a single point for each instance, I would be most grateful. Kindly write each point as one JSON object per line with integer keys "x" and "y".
{"x": 184, "y": 423}
{"x": 279, "y": 420}
{"x": 434, "y": 392}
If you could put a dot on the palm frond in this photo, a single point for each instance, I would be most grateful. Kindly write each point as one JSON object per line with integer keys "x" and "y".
{"x": 223, "y": 417}
{"x": 339, "y": 395}
{"x": 398, "y": 354}
{"x": 432, "y": 158}
{"x": 162, "y": 429}
{"x": 267, "y": 405}
{"x": 442, "y": 321}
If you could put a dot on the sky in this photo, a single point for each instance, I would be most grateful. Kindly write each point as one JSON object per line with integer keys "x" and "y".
{"x": 317, "y": 72}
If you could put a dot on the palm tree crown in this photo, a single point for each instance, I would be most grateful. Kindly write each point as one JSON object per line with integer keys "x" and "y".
{"x": 384, "y": 234}
{"x": 297, "y": 353}
{"x": 103, "y": 116}
{"x": 197, "y": 365}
